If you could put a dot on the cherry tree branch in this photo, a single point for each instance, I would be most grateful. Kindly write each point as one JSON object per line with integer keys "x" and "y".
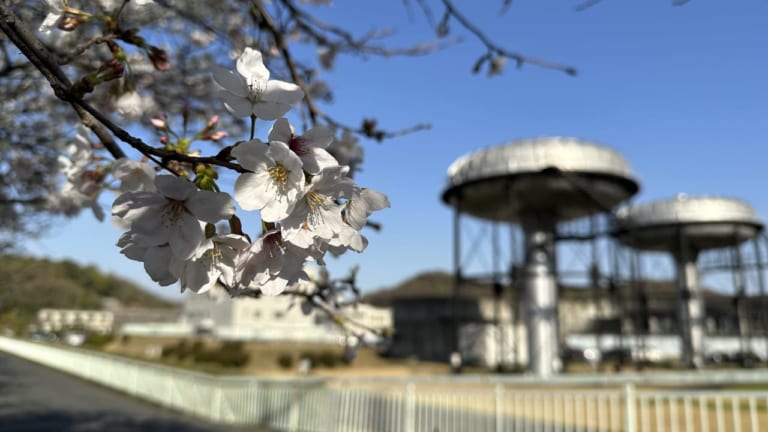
{"x": 22, "y": 201}
{"x": 82, "y": 48}
{"x": 317, "y": 29}
{"x": 43, "y": 61}
{"x": 93, "y": 118}
{"x": 589, "y": 3}
{"x": 585, "y": 5}
{"x": 315, "y": 300}
{"x": 493, "y": 48}
{"x": 264, "y": 18}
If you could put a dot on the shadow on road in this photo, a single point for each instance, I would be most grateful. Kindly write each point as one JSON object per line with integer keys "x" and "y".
{"x": 62, "y": 421}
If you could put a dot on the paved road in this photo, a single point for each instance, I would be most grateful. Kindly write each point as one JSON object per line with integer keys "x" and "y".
{"x": 34, "y": 398}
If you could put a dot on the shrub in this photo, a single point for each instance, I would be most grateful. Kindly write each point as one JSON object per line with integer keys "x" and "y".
{"x": 94, "y": 340}
{"x": 180, "y": 350}
{"x": 227, "y": 355}
{"x": 285, "y": 361}
{"x": 328, "y": 359}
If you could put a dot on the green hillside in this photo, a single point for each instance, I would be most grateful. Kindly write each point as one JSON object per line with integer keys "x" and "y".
{"x": 435, "y": 284}
{"x": 427, "y": 284}
{"x": 29, "y": 284}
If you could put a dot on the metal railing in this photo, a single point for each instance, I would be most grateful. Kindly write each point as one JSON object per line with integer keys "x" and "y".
{"x": 631, "y": 402}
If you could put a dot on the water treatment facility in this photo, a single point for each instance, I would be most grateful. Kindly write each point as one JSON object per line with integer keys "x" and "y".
{"x": 552, "y": 256}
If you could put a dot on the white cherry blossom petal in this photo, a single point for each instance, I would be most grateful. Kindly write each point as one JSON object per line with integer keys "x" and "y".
{"x": 252, "y": 155}
{"x": 320, "y": 136}
{"x": 174, "y": 187}
{"x": 230, "y": 81}
{"x": 359, "y": 208}
{"x": 251, "y": 191}
{"x": 251, "y": 65}
{"x": 211, "y": 206}
{"x": 283, "y": 93}
{"x": 185, "y": 239}
{"x": 267, "y": 110}
{"x": 281, "y": 131}
{"x": 319, "y": 160}
{"x": 236, "y": 105}
{"x": 156, "y": 264}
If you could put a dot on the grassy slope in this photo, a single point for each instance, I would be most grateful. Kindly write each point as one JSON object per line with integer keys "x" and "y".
{"x": 29, "y": 284}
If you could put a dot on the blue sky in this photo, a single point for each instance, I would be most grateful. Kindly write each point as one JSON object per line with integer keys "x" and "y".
{"x": 681, "y": 92}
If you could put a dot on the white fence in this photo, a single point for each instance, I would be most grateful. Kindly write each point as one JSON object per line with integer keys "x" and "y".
{"x": 431, "y": 404}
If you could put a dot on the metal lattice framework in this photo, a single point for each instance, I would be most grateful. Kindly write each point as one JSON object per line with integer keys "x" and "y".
{"x": 545, "y": 198}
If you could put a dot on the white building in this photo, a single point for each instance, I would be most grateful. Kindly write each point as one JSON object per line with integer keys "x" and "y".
{"x": 112, "y": 317}
{"x": 276, "y": 318}
{"x": 97, "y": 321}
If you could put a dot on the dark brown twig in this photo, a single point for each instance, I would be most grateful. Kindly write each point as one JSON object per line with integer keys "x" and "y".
{"x": 492, "y": 47}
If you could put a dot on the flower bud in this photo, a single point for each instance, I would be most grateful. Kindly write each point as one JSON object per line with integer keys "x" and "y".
{"x": 159, "y": 122}
{"x": 117, "y": 52}
{"x": 70, "y": 23}
{"x": 159, "y": 59}
{"x": 85, "y": 85}
{"x": 212, "y": 122}
{"x": 497, "y": 66}
{"x": 110, "y": 70}
{"x": 215, "y": 136}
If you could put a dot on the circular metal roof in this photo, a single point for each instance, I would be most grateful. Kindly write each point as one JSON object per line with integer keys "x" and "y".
{"x": 564, "y": 177}
{"x": 705, "y": 222}
{"x": 537, "y": 154}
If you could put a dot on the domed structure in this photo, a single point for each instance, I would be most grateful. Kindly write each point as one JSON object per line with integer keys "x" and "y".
{"x": 707, "y": 222}
{"x": 537, "y": 183}
{"x": 684, "y": 226}
{"x": 565, "y": 178}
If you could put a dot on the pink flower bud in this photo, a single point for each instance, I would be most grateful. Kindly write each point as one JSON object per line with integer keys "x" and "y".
{"x": 216, "y": 136}
{"x": 159, "y": 122}
{"x": 214, "y": 120}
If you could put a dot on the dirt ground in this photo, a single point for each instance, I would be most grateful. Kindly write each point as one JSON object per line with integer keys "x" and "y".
{"x": 264, "y": 359}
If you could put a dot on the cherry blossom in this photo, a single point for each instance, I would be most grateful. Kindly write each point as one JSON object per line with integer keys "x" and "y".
{"x": 310, "y": 147}
{"x": 132, "y": 105}
{"x": 174, "y": 214}
{"x": 271, "y": 265}
{"x": 359, "y": 208}
{"x": 346, "y": 150}
{"x": 299, "y": 183}
{"x": 318, "y": 215}
{"x": 69, "y": 202}
{"x": 83, "y": 182}
{"x": 250, "y": 91}
{"x": 216, "y": 263}
{"x": 77, "y": 155}
{"x": 135, "y": 176}
{"x": 156, "y": 258}
{"x": 347, "y": 238}
{"x": 276, "y": 180}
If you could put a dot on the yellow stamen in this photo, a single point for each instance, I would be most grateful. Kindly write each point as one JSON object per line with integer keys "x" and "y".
{"x": 280, "y": 176}
{"x": 315, "y": 199}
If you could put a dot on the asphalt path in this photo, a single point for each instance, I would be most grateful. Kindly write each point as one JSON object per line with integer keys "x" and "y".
{"x": 34, "y": 398}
